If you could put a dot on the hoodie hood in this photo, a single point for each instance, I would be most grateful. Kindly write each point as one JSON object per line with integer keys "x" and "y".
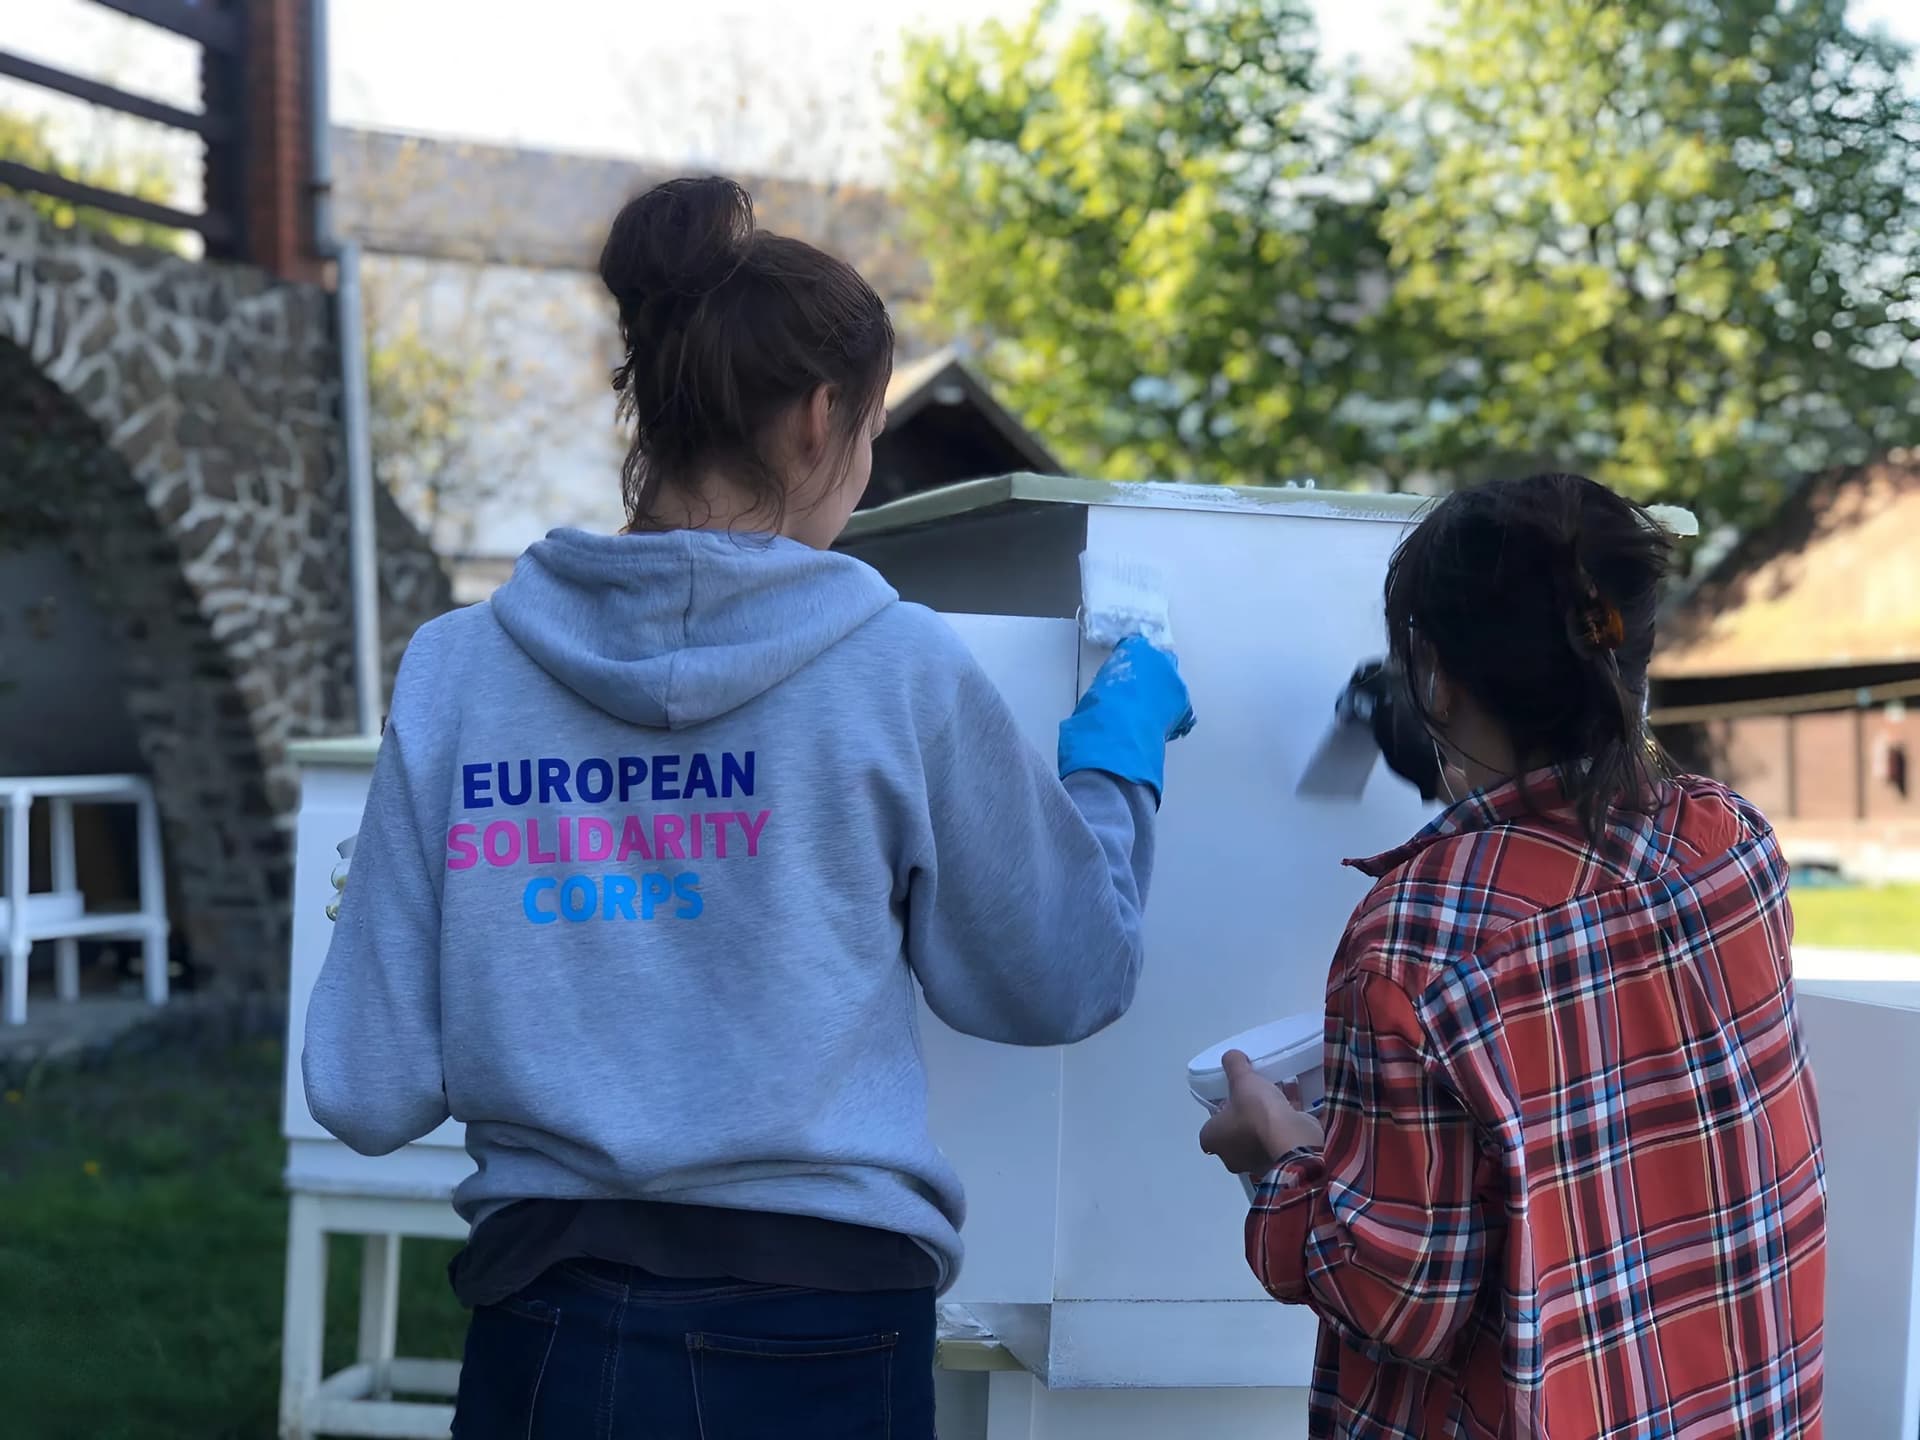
{"x": 676, "y": 629}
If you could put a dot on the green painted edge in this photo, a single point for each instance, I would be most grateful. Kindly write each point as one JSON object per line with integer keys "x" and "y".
{"x": 970, "y": 1355}
{"x": 978, "y": 496}
{"x": 928, "y": 506}
{"x": 348, "y": 752}
{"x": 974, "y": 497}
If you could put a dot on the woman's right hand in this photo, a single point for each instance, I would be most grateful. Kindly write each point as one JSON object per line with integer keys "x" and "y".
{"x": 1148, "y": 677}
{"x": 339, "y": 877}
{"x": 1135, "y": 706}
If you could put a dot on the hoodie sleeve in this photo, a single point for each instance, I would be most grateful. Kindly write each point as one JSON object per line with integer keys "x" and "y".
{"x": 1024, "y": 911}
{"x": 372, "y": 1058}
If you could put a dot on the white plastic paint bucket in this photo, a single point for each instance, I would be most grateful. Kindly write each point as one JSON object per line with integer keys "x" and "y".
{"x": 1286, "y": 1052}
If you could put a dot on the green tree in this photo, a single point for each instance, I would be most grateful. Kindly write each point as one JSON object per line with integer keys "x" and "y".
{"x": 1143, "y": 226}
{"x": 421, "y": 400}
{"x": 1675, "y": 242}
{"x": 474, "y": 375}
{"x": 427, "y": 393}
{"x": 25, "y": 140}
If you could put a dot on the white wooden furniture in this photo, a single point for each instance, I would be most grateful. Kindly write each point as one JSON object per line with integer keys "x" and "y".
{"x": 336, "y": 1192}
{"x": 361, "y": 1399}
{"x": 1105, "y": 1251}
{"x": 59, "y": 915}
{"x": 1861, "y": 1017}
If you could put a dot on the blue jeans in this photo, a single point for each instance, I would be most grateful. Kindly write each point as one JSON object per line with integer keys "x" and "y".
{"x": 605, "y": 1352}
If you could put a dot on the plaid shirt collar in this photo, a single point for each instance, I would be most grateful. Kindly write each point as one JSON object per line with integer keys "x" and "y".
{"x": 1533, "y": 795}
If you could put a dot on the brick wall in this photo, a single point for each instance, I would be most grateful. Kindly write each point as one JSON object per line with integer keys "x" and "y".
{"x": 1751, "y": 755}
{"x": 1831, "y": 781}
{"x": 1892, "y": 739}
{"x": 1826, "y": 772}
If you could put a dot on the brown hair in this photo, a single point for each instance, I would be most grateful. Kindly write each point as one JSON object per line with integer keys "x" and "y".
{"x": 726, "y": 327}
{"x": 1537, "y": 597}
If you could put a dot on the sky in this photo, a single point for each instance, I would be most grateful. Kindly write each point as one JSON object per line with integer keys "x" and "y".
{"x": 789, "y": 85}
{"x": 606, "y": 82}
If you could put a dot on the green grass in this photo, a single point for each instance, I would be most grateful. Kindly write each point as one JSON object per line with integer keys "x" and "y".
{"x": 142, "y": 1243}
{"x": 1885, "y": 918}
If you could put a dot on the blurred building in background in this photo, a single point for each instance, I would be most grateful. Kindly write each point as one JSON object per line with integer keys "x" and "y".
{"x": 548, "y": 210}
{"x": 489, "y": 256}
{"x": 1793, "y": 671}
{"x": 945, "y": 426}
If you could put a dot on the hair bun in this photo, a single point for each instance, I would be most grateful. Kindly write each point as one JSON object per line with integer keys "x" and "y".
{"x": 684, "y": 238}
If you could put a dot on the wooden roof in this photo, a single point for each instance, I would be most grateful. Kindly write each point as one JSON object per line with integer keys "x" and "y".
{"x": 1832, "y": 582}
{"x": 943, "y": 378}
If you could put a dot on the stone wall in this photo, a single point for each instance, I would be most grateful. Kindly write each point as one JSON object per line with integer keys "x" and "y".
{"x": 174, "y": 426}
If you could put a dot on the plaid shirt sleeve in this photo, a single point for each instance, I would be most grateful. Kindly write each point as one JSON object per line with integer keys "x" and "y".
{"x": 1382, "y": 1232}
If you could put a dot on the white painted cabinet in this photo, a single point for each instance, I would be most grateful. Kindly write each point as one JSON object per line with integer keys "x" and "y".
{"x": 1863, "y": 1033}
{"x": 1274, "y": 601}
{"x": 333, "y": 792}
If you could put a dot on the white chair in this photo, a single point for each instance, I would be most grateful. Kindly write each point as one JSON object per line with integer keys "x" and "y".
{"x": 60, "y": 914}
{"x": 359, "y": 1400}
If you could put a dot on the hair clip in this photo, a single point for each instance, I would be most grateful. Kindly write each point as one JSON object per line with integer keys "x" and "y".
{"x": 1603, "y": 627}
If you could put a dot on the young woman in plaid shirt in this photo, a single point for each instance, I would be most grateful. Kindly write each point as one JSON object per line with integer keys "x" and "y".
{"x": 1569, "y": 1183}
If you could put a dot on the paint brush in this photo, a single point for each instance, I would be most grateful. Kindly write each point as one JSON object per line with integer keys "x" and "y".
{"x": 1343, "y": 761}
{"x": 1120, "y": 596}
{"x": 1372, "y": 718}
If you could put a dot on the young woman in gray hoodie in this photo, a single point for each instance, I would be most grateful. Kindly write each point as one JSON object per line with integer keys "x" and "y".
{"x": 659, "y": 846}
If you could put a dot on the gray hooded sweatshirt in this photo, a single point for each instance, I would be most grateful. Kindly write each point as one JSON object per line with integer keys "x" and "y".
{"x": 656, "y": 847}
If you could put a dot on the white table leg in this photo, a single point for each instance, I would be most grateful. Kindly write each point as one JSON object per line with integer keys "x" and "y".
{"x": 19, "y": 807}
{"x": 66, "y": 878}
{"x": 153, "y": 901}
{"x": 1013, "y": 1400}
{"x": 304, "y": 1323}
{"x": 380, "y": 1308}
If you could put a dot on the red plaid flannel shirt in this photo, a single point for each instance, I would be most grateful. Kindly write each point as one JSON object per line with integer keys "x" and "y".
{"x": 1572, "y": 1184}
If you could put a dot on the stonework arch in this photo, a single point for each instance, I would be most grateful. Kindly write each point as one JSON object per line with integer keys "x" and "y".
{"x": 173, "y": 427}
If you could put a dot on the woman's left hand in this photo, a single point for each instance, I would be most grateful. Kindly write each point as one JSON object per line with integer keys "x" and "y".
{"x": 1258, "y": 1124}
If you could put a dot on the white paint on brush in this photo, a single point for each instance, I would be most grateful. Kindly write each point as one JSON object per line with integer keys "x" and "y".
{"x": 1123, "y": 596}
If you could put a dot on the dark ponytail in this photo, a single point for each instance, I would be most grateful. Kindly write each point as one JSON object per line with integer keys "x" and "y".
{"x": 725, "y": 328}
{"x": 1538, "y": 598}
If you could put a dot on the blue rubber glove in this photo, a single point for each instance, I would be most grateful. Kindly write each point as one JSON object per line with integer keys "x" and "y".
{"x": 1136, "y": 704}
